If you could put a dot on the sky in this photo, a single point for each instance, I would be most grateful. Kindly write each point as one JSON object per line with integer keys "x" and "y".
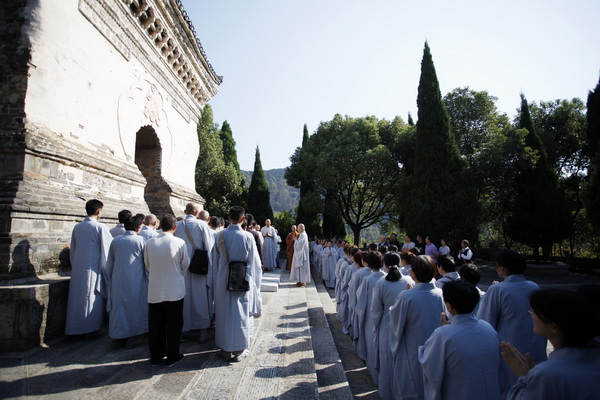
{"x": 287, "y": 63}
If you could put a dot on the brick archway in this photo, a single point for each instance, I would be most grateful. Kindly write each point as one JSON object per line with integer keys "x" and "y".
{"x": 148, "y": 158}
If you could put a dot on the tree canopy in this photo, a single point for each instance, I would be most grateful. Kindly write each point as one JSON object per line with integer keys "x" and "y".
{"x": 349, "y": 160}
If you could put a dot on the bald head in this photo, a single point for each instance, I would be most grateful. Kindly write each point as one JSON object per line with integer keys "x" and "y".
{"x": 204, "y": 215}
{"x": 191, "y": 209}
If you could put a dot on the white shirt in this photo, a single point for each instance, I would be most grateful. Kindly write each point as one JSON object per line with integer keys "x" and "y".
{"x": 166, "y": 259}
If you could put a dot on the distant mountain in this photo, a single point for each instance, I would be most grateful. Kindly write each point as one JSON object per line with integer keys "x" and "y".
{"x": 283, "y": 197}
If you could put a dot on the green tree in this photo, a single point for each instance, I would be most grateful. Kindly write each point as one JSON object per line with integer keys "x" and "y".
{"x": 215, "y": 180}
{"x": 352, "y": 163}
{"x": 231, "y": 160}
{"x": 259, "y": 203}
{"x": 310, "y": 204}
{"x": 561, "y": 125}
{"x": 473, "y": 119}
{"x": 592, "y": 190}
{"x": 442, "y": 200}
{"x": 538, "y": 215}
{"x": 283, "y": 222}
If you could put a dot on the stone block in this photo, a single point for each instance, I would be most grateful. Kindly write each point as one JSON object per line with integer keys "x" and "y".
{"x": 268, "y": 287}
{"x": 32, "y": 312}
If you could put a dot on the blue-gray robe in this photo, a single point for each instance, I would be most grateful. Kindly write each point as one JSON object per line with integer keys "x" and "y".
{"x": 197, "y": 304}
{"x": 570, "y": 373}
{"x": 270, "y": 249}
{"x": 90, "y": 242}
{"x": 353, "y": 286}
{"x": 461, "y": 360}
{"x": 414, "y": 316}
{"x": 233, "y": 325}
{"x": 506, "y": 307}
{"x": 385, "y": 294}
{"x": 127, "y": 280}
{"x": 329, "y": 259}
{"x": 363, "y": 344}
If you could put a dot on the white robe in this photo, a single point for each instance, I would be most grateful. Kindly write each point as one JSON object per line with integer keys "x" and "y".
{"x": 269, "y": 247}
{"x": 199, "y": 293}
{"x": 127, "y": 280}
{"x": 348, "y": 297}
{"x": 300, "y": 262}
{"x": 570, "y": 373}
{"x": 461, "y": 361}
{"x": 414, "y": 316}
{"x": 234, "y": 324}
{"x": 385, "y": 294}
{"x": 90, "y": 242}
{"x": 505, "y": 306}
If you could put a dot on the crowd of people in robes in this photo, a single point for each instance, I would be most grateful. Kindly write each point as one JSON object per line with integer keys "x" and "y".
{"x": 413, "y": 311}
{"x": 426, "y": 331}
{"x": 138, "y": 275}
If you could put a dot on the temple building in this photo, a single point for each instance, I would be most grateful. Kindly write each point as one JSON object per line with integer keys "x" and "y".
{"x": 99, "y": 99}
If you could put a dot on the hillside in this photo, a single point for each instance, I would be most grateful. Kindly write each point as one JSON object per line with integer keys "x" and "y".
{"x": 283, "y": 197}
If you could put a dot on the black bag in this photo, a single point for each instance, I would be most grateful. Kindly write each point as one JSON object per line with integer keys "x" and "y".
{"x": 236, "y": 279}
{"x": 199, "y": 262}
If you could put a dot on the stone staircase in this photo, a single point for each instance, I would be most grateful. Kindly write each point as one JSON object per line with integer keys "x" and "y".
{"x": 298, "y": 352}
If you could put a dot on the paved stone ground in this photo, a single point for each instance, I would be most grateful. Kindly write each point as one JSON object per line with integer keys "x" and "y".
{"x": 293, "y": 356}
{"x": 298, "y": 352}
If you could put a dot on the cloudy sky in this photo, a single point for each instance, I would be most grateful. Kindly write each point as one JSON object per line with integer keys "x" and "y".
{"x": 290, "y": 62}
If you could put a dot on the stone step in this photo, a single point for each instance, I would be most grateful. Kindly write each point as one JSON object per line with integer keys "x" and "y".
{"x": 292, "y": 356}
{"x": 270, "y": 281}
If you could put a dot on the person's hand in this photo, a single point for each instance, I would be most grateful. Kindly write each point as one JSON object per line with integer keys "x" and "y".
{"x": 518, "y": 363}
{"x": 444, "y": 319}
{"x": 495, "y": 282}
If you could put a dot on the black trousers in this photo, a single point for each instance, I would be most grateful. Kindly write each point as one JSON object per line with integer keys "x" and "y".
{"x": 165, "y": 322}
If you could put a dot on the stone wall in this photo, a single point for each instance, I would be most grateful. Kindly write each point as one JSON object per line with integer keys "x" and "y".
{"x": 98, "y": 99}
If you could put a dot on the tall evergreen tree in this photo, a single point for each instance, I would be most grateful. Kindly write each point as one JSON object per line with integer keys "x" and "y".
{"x": 229, "y": 152}
{"x": 410, "y": 120}
{"x": 442, "y": 198}
{"x": 216, "y": 180}
{"x": 539, "y": 216}
{"x": 259, "y": 203}
{"x": 592, "y": 190}
{"x": 333, "y": 222}
{"x": 231, "y": 160}
{"x": 309, "y": 205}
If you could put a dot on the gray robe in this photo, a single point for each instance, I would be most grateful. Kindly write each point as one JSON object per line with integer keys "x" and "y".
{"x": 233, "y": 325}
{"x": 414, "y": 316}
{"x": 385, "y": 294}
{"x": 90, "y": 242}
{"x": 300, "y": 262}
{"x": 505, "y": 306}
{"x": 363, "y": 342}
{"x": 269, "y": 248}
{"x": 197, "y": 304}
{"x": 461, "y": 360}
{"x": 127, "y": 281}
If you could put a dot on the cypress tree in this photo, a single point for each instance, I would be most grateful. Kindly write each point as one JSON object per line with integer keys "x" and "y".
{"x": 259, "y": 203}
{"x": 410, "y": 120}
{"x": 309, "y": 204}
{"x": 442, "y": 198}
{"x": 592, "y": 189}
{"x": 229, "y": 152}
{"x": 333, "y": 222}
{"x": 539, "y": 216}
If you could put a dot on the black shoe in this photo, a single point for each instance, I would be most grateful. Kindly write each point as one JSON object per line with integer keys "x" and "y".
{"x": 170, "y": 363}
